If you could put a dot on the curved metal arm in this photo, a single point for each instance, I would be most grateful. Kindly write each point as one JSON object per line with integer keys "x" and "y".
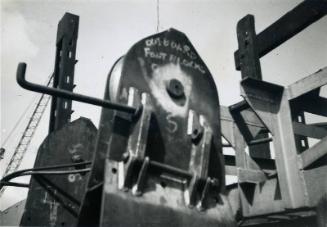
{"x": 21, "y": 69}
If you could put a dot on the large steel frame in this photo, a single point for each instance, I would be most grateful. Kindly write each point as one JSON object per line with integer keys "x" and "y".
{"x": 284, "y": 184}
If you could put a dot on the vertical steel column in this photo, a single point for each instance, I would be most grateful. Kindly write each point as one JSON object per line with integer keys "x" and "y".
{"x": 249, "y": 59}
{"x": 252, "y": 47}
{"x": 61, "y": 109}
{"x": 290, "y": 24}
{"x": 250, "y": 67}
{"x": 271, "y": 104}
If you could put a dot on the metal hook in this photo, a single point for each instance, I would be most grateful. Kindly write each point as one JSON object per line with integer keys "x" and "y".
{"x": 21, "y": 69}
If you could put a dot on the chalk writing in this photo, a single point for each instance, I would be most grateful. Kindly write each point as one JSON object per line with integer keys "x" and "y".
{"x": 186, "y": 63}
{"x": 190, "y": 59}
{"x": 172, "y": 125}
{"x": 156, "y": 55}
{"x": 174, "y": 45}
{"x": 74, "y": 177}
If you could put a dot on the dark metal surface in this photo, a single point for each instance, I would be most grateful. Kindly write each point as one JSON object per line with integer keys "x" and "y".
{"x": 155, "y": 61}
{"x": 67, "y": 33}
{"x": 68, "y": 95}
{"x": 250, "y": 67}
{"x": 54, "y": 200}
{"x": 43, "y": 171}
{"x": 177, "y": 158}
{"x": 247, "y": 48}
{"x": 91, "y": 206}
{"x": 2, "y": 152}
{"x": 175, "y": 88}
{"x": 302, "y": 16}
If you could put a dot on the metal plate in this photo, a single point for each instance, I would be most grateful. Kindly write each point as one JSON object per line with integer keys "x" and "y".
{"x": 155, "y": 66}
{"x": 148, "y": 66}
{"x": 42, "y": 209}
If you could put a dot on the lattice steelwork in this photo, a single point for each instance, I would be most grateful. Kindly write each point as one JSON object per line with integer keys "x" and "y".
{"x": 27, "y": 136}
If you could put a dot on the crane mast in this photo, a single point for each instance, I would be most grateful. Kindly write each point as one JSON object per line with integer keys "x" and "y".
{"x": 28, "y": 134}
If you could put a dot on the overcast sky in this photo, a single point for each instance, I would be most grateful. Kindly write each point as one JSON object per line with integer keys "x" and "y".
{"x": 109, "y": 28}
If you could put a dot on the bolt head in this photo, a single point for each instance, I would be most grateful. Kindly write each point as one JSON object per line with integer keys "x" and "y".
{"x": 197, "y": 134}
{"x": 175, "y": 88}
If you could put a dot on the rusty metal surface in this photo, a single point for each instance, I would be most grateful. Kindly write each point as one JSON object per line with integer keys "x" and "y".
{"x": 55, "y": 200}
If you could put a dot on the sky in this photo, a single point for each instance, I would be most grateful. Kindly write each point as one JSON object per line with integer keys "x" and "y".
{"x": 109, "y": 28}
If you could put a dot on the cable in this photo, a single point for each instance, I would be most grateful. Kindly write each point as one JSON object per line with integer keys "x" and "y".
{"x": 19, "y": 172}
{"x": 41, "y": 171}
{"x": 59, "y": 172}
{"x": 62, "y": 172}
{"x": 14, "y": 184}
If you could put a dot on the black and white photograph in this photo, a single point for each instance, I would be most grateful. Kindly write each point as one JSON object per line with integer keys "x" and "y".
{"x": 163, "y": 113}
